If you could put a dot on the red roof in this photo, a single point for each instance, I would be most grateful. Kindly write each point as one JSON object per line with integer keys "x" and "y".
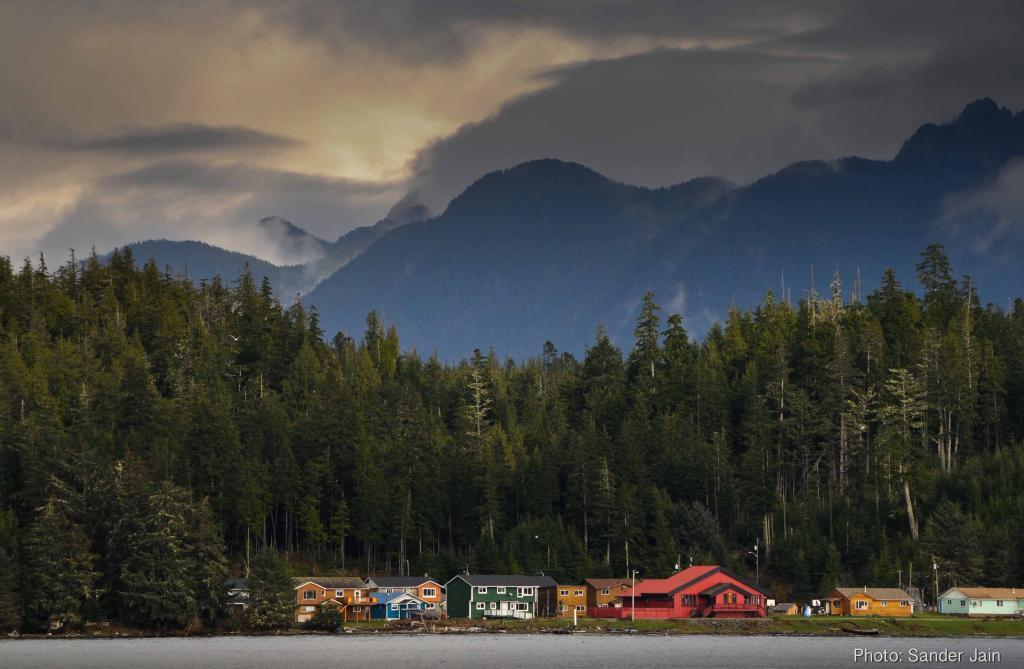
{"x": 664, "y": 586}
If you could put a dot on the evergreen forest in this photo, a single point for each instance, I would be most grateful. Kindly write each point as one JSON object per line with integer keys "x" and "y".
{"x": 158, "y": 436}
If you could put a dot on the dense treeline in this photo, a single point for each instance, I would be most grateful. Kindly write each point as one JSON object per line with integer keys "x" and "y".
{"x": 154, "y": 435}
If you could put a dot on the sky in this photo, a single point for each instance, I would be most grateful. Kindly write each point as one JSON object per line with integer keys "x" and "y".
{"x": 123, "y": 121}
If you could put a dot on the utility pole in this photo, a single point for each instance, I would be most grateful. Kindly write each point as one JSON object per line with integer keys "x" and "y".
{"x": 900, "y": 573}
{"x": 935, "y": 570}
{"x": 632, "y": 612}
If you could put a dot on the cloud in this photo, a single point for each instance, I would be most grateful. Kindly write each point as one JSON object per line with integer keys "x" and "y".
{"x": 989, "y": 221}
{"x": 182, "y": 138}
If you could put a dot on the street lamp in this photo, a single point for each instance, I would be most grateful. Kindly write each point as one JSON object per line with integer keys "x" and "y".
{"x": 632, "y": 608}
{"x": 757, "y": 561}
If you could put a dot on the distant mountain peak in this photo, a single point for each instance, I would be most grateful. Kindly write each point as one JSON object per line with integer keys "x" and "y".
{"x": 277, "y": 224}
{"x": 408, "y": 210}
{"x": 982, "y": 134}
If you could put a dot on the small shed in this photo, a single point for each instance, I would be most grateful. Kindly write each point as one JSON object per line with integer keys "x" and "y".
{"x": 784, "y": 609}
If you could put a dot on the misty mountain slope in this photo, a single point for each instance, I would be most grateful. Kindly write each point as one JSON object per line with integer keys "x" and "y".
{"x": 199, "y": 260}
{"x": 548, "y": 249}
{"x": 846, "y": 215}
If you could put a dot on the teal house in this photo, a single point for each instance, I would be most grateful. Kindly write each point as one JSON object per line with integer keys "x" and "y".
{"x": 982, "y": 601}
{"x": 478, "y": 596}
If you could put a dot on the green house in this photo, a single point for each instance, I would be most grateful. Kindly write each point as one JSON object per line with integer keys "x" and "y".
{"x": 982, "y": 601}
{"x": 478, "y": 596}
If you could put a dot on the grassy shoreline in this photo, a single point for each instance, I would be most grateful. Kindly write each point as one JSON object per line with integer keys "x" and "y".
{"x": 922, "y": 625}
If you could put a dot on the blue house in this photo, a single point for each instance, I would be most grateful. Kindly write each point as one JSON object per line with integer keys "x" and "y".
{"x": 395, "y": 605}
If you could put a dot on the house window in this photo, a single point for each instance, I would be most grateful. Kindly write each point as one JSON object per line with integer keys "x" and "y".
{"x": 580, "y": 607}
{"x": 606, "y": 591}
{"x": 885, "y": 602}
{"x": 309, "y": 594}
{"x": 579, "y": 593}
{"x": 563, "y": 593}
{"x": 974, "y": 603}
{"x": 861, "y": 604}
{"x": 339, "y": 593}
{"x": 520, "y": 592}
{"x": 481, "y": 590}
{"x": 430, "y": 606}
{"x": 358, "y": 594}
{"x": 430, "y": 592}
{"x": 523, "y": 606}
{"x": 904, "y": 603}
{"x": 394, "y": 607}
{"x": 480, "y": 606}
{"x": 963, "y": 602}
{"x": 999, "y": 602}
{"x": 494, "y": 605}
{"x": 949, "y": 601}
{"x": 501, "y": 590}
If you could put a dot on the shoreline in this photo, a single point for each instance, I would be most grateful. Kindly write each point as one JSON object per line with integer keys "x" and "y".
{"x": 792, "y": 626}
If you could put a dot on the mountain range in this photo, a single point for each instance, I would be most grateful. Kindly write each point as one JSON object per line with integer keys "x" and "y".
{"x": 547, "y": 250}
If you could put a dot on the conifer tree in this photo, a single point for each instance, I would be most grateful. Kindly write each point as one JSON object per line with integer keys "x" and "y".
{"x": 271, "y": 597}
{"x": 59, "y": 565}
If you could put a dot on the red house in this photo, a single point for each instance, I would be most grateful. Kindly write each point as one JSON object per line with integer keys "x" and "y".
{"x": 705, "y": 591}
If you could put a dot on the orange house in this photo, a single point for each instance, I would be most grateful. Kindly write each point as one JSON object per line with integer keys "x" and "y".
{"x": 889, "y": 602}
{"x": 571, "y": 598}
{"x": 347, "y": 592}
{"x": 605, "y": 591}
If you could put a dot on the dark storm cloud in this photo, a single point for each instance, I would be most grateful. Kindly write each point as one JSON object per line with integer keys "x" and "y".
{"x": 656, "y": 119}
{"x": 857, "y": 85}
{"x": 182, "y": 138}
{"x": 211, "y": 178}
{"x": 443, "y": 30}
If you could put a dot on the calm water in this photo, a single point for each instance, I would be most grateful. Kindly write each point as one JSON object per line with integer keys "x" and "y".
{"x": 498, "y": 650}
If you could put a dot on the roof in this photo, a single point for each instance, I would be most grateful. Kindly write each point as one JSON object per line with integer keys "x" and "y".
{"x": 782, "y": 606}
{"x": 875, "y": 593}
{"x": 388, "y": 597}
{"x": 514, "y": 580}
{"x": 715, "y": 589}
{"x": 988, "y": 593}
{"x": 399, "y": 581}
{"x": 236, "y": 584}
{"x": 601, "y": 583}
{"x": 329, "y": 581}
{"x": 686, "y": 578}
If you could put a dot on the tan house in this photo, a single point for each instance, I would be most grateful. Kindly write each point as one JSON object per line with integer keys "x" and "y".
{"x": 350, "y": 593}
{"x": 867, "y": 601}
{"x": 605, "y": 591}
{"x": 571, "y": 598}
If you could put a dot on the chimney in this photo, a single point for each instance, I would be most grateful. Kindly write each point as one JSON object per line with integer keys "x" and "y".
{"x": 865, "y": 589}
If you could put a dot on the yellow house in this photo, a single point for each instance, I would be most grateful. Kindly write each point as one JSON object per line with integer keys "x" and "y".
{"x": 572, "y": 598}
{"x": 869, "y": 602}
